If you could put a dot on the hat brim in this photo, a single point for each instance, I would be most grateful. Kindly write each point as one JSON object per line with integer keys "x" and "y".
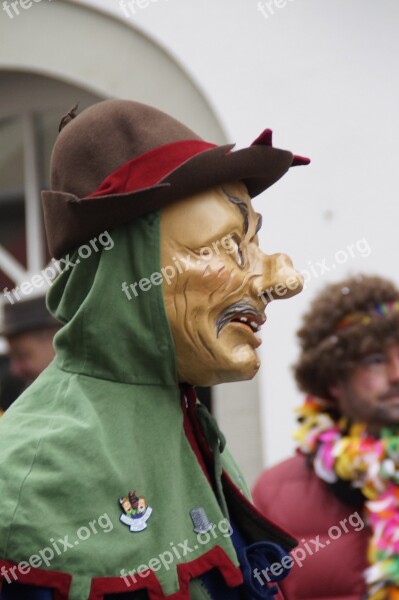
{"x": 71, "y": 221}
{"x": 26, "y": 316}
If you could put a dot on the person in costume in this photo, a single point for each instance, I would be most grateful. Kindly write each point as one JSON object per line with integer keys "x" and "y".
{"x": 175, "y": 301}
{"x": 339, "y": 494}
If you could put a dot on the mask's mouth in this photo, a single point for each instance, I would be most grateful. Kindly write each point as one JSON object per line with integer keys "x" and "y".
{"x": 242, "y": 313}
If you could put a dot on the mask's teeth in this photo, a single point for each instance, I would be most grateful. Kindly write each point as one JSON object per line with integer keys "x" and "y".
{"x": 244, "y": 319}
{"x": 254, "y": 325}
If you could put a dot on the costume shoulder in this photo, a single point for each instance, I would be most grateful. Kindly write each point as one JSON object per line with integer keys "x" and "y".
{"x": 63, "y": 479}
{"x": 32, "y": 419}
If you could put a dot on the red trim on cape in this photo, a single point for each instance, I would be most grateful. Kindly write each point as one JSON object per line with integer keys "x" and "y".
{"x": 59, "y": 582}
{"x": 149, "y": 168}
{"x": 215, "y": 558}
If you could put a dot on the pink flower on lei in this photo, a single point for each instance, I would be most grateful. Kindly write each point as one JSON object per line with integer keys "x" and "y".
{"x": 384, "y": 519}
{"x": 324, "y": 459}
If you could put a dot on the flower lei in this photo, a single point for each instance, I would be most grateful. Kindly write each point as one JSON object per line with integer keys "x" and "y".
{"x": 342, "y": 451}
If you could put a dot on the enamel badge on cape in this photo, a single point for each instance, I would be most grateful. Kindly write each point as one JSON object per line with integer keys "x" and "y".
{"x": 136, "y": 511}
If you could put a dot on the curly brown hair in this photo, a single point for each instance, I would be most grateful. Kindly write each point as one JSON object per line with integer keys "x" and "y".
{"x": 327, "y": 354}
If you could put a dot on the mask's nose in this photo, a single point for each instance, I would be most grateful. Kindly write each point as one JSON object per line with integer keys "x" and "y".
{"x": 279, "y": 278}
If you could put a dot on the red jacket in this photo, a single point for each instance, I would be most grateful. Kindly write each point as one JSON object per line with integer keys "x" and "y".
{"x": 333, "y": 557}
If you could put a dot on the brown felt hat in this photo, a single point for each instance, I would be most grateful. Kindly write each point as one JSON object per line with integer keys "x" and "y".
{"x": 119, "y": 160}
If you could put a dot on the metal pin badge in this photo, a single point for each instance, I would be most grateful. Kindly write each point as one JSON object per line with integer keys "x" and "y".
{"x": 200, "y": 520}
{"x": 136, "y": 511}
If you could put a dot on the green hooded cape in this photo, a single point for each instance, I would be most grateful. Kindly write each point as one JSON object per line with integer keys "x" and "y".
{"x": 106, "y": 418}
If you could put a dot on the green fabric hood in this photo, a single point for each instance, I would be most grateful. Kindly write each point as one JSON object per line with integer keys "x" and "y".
{"x": 106, "y": 335}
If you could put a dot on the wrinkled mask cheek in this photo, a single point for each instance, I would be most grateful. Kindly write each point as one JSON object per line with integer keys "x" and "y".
{"x": 189, "y": 316}
{"x": 192, "y": 302}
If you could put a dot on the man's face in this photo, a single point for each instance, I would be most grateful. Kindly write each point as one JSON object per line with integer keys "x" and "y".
{"x": 370, "y": 393}
{"x": 213, "y": 302}
{"x": 30, "y": 353}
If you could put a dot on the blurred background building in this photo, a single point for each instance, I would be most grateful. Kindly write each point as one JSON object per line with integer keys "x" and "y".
{"x": 323, "y": 75}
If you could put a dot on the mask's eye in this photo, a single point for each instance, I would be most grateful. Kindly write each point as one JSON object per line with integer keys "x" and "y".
{"x": 236, "y": 251}
{"x": 378, "y": 358}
